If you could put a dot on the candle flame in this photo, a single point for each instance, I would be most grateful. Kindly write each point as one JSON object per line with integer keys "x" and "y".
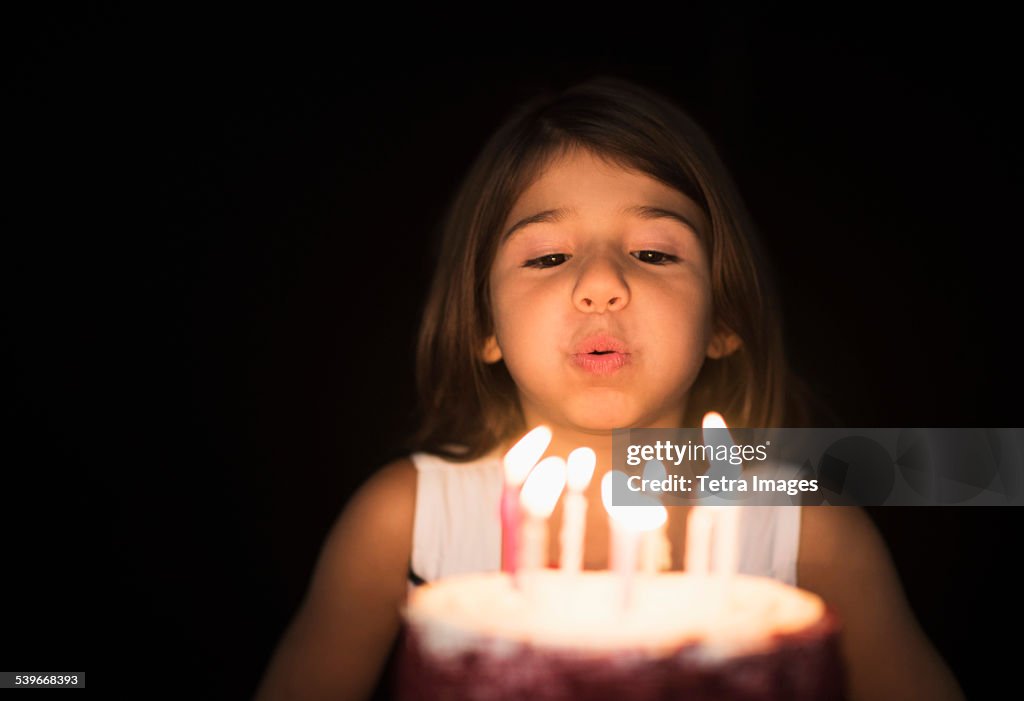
{"x": 712, "y": 531}
{"x": 715, "y": 431}
{"x": 713, "y": 419}
{"x": 580, "y": 468}
{"x": 606, "y": 489}
{"x": 543, "y": 487}
{"x": 642, "y": 517}
{"x": 525, "y": 454}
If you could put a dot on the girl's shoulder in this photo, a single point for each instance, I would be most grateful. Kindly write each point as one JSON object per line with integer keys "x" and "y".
{"x": 400, "y": 478}
{"x": 394, "y": 480}
{"x": 402, "y": 482}
{"x": 388, "y": 492}
{"x": 455, "y": 454}
{"x": 433, "y": 463}
{"x": 830, "y": 534}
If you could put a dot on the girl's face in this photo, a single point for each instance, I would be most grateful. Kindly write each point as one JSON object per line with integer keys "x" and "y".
{"x": 602, "y": 298}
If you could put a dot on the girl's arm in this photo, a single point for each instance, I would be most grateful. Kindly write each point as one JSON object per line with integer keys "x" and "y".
{"x": 338, "y": 642}
{"x": 844, "y": 560}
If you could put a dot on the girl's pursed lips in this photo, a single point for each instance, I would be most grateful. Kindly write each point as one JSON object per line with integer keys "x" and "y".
{"x": 601, "y": 343}
{"x": 601, "y": 354}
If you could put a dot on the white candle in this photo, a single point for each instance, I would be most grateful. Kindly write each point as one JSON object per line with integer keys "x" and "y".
{"x": 627, "y": 525}
{"x": 579, "y": 471}
{"x": 726, "y": 529}
{"x": 625, "y": 542}
{"x": 655, "y": 550}
{"x": 538, "y": 497}
{"x": 726, "y": 548}
{"x": 712, "y": 528}
{"x": 712, "y": 536}
{"x": 699, "y": 530}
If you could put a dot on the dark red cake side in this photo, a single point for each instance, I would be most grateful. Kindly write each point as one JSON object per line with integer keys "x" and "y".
{"x": 800, "y": 666}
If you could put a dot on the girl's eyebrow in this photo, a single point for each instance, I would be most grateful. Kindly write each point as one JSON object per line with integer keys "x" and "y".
{"x": 641, "y": 211}
{"x": 549, "y": 215}
{"x": 645, "y": 212}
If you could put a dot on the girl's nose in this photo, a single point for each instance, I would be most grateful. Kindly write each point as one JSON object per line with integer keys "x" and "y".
{"x": 600, "y": 287}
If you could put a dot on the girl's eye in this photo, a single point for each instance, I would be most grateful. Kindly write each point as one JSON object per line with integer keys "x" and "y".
{"x": 548, "y": 261}
{"x": 655, "y": 257}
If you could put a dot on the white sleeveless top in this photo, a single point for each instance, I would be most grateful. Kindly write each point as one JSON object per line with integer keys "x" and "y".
{"x": 457, "y": 525}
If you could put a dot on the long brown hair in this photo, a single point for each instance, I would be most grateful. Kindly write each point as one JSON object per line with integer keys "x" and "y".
{"x": 469, "y": 406}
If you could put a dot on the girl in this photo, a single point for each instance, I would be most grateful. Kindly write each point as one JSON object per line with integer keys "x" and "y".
{"x": 598, "y": 270}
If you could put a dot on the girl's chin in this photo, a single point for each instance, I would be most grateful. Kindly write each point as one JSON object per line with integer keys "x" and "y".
{"x": 597, "y": 428}
{"x": 597, "y": 419}
{"x": 603, "y": 412}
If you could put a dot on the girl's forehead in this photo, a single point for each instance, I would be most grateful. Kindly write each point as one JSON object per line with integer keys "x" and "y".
{"x": 581, "y": 182}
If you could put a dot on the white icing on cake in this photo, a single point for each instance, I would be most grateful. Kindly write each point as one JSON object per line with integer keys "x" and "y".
{"x": 719, "y": 616}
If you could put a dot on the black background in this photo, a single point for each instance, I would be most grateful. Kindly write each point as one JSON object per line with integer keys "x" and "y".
{"x": 221, "y": 236}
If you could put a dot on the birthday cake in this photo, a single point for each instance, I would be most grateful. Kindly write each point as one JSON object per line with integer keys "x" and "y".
{"x": 588, "y": 637}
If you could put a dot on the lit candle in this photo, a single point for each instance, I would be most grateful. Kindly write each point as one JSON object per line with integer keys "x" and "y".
{"x": 628, "y": 524}
{"x": 580, "y": 470}
{"x": 712, "y": 528}
{"x": 538, "y": 497}
{"x": 517, "y": 463}
{"x": 655, "y": 550}
{"x": 725, "y": 548}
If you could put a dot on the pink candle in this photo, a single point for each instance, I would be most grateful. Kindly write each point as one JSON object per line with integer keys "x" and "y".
{"x": 518, "y": 462}
{"x": 509, "y": 527}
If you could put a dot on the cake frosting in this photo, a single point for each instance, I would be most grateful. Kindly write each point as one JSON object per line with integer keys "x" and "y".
{"x": 581, "y": 636}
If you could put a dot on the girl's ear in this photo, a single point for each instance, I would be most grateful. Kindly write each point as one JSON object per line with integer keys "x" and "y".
{"x": 492, "y": 351}
{"x": 723, "y": 343}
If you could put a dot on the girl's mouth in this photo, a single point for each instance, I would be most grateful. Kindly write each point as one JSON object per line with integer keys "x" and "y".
{"x": 601, "y": 354}
{"x": 601, "y": 362}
